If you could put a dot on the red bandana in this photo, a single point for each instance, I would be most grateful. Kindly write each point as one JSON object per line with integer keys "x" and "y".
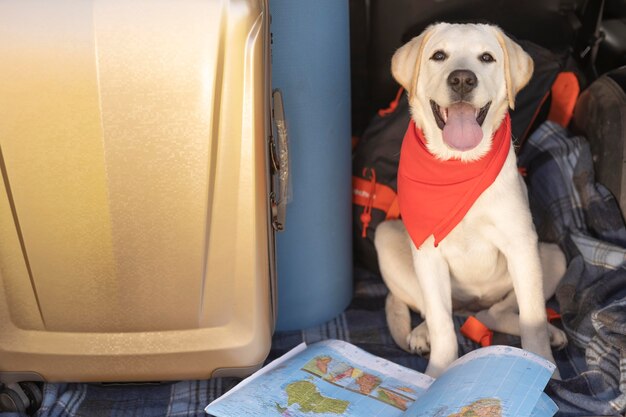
{"x": 434, "y": 195}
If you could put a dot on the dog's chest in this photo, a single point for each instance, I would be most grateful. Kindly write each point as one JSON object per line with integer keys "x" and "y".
{"x": 478, "y": 269}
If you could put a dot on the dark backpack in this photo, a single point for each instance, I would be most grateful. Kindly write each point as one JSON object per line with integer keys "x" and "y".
{"x": 550, "y": 93}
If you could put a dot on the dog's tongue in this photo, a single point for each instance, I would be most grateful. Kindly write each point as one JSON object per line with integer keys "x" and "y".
{"x": 461, "y": 131}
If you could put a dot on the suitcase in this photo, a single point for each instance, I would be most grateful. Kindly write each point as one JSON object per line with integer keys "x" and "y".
{"x": 136, "y": 218}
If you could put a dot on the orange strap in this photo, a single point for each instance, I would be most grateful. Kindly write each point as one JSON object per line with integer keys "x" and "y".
{"x": 394, "y": 209}
{"x": 552, "y": 315}
{"x": 393, "y": 105}
{"x": 366, "y": 216}
{"x": 371, "y": 194}
{"x": 380, "y": 196}
{"x": 477, "y": 332}
{"x": 565, "y": 92}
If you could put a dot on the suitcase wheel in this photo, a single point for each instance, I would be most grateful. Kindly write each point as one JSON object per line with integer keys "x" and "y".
{"x": 11, "y": 401}
{"x": 23, "y": 397}
{"x": 34, "y": 394}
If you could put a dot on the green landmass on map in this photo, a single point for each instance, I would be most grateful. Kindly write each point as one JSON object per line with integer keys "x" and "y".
{"x": 306, "y": 394}
{"x": 393, "y": 399}
{"x": 485, "y": 407}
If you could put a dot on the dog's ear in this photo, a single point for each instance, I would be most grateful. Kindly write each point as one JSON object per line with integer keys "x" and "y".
{"x": 405, "y": 63}
{"x": 518, "y": 66}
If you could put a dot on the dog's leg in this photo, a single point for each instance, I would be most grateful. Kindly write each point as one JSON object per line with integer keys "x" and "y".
{"x": 520, "y": 248}
{"x": 398, "y": 320}
{"x": 518, "y": 242}
{"x": 526, "y": 272}
{"x": 434, "y": 279}
{"x": 503, "y": 317}
{"x": 553, "y": 266}
{"x": 419, "y": 339}
{"x": 393, "y": 247}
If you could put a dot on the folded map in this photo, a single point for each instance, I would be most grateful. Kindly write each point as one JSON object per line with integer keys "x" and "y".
{"x": 334, "y": 378}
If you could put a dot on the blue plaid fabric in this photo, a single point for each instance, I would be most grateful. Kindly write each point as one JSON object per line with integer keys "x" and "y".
{"x": 584, "y": 218}
{"x": 568, "y": 208}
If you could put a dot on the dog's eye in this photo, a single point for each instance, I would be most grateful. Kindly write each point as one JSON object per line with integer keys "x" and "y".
{"x": 439, "y": 56}
{"x": 487, "y": 57}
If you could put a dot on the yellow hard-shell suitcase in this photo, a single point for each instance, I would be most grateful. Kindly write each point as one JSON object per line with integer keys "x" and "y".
{"x": 136, "y": 237}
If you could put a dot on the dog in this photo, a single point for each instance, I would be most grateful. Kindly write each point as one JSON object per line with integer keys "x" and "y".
{"x": 461, "y": 80}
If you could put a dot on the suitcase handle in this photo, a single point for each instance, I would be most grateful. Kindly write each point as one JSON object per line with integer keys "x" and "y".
{"x": 279, "y": 149}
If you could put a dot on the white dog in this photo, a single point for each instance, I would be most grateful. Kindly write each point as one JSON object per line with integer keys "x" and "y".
{"x": 461, "y": 80}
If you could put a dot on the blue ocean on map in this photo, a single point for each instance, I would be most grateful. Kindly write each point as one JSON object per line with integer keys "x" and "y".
{"x": 512, "y": 384}
{"x": 318, "y": 384}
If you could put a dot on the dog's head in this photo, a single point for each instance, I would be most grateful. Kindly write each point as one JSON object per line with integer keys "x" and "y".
{"x": 461, "y": 78}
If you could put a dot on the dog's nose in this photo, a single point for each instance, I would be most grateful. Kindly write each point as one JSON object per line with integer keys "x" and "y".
{"x": 462, "y": 81}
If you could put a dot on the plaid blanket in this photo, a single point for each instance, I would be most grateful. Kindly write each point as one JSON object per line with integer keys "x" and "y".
{"x": 583, "y": 217}
{"x": 568, "y": 207}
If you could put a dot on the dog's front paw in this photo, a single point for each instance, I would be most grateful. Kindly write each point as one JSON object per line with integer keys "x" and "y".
{"x": 419, "y": 340}
{"x": 558, "y": 338}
